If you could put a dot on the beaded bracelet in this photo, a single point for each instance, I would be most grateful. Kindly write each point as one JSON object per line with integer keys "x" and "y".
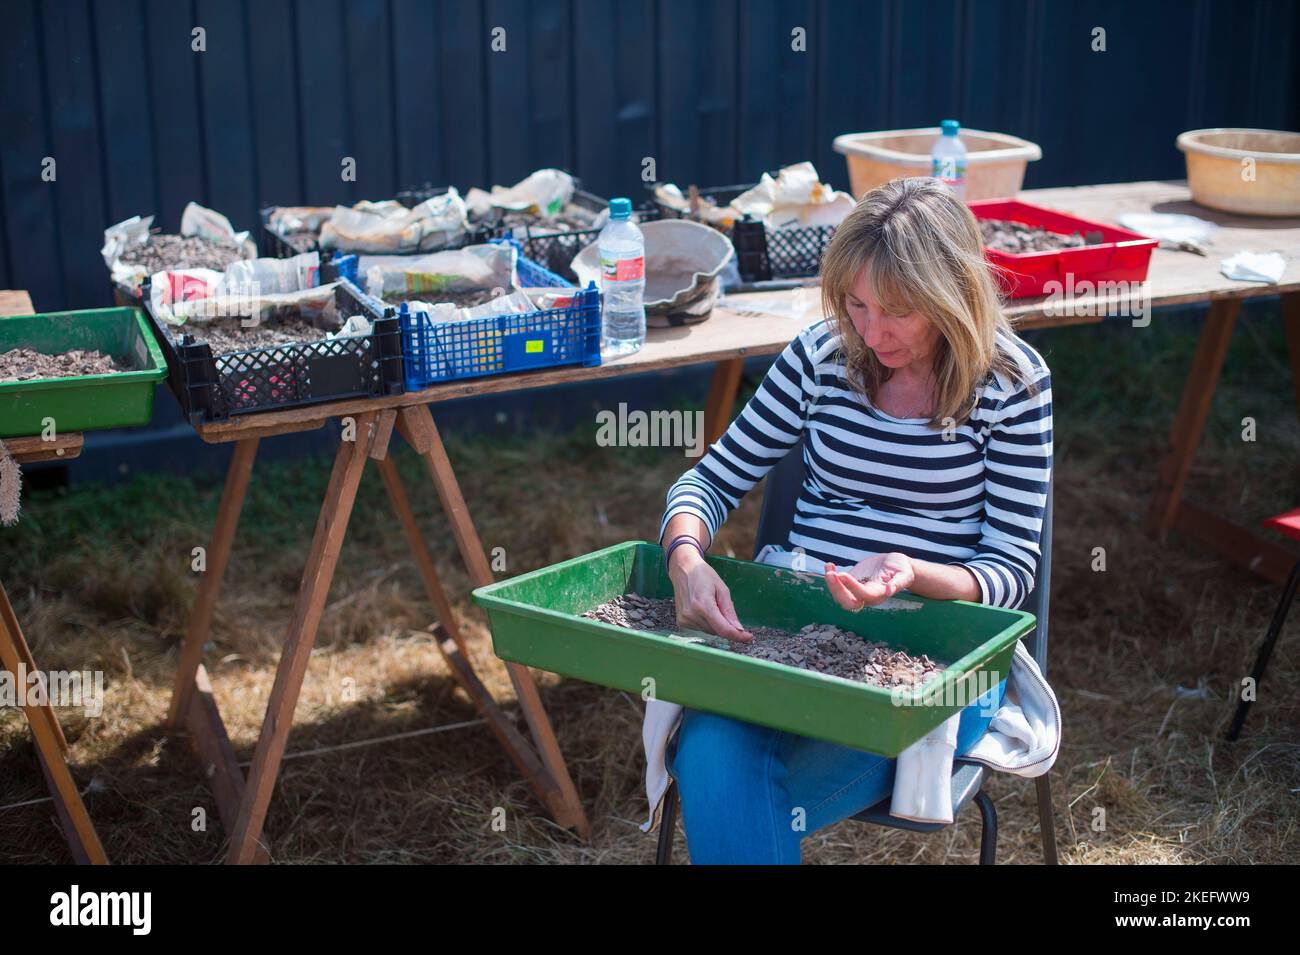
{"x": 677, "y": 542}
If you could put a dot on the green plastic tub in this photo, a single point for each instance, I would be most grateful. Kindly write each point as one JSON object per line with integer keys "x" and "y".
{"x": 536, "y": 620}
{"x": 83, "y": 402}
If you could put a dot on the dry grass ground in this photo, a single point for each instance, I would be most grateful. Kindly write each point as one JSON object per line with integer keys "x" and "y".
{"x": 101, "y": 580}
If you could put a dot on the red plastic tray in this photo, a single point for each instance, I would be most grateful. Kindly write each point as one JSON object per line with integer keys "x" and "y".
{"x": 1124, "y": 256}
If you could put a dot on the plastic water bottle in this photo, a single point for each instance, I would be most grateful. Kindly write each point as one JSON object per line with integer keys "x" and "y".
{"x": 948, "y": 158}
{"x": 622, "y": 280}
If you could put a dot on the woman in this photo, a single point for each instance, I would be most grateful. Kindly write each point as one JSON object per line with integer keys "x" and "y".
{"x": 927, "y": 453}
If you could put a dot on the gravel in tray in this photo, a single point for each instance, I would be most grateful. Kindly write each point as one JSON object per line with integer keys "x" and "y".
{"x": 164, "y": 252}
{"x": 24, "y": 364}
{"x": 459, "y": 299}
{"x": 1017, "y": 237}
{"x": 572, "y": 218}
{"x": 818, "y": 647}
{"x": 227, "y": 335}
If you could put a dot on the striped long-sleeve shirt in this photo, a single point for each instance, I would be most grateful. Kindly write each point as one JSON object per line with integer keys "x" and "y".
{"x": 875, "y": 483}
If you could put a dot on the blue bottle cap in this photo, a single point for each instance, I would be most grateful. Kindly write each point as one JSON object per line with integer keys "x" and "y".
{"x": 620, "y": 208}
{"x": 950, "y": 127}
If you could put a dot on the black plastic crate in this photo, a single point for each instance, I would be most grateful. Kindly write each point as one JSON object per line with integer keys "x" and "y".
{"x": 274, "y": 245}
{"x": 556, "y": 250}
{"x": 275, "y": 377}
{"x": 763, "y": 254}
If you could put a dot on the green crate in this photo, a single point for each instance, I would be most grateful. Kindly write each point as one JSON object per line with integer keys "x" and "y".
{"x": 82, "y": 402}
{"x": 536, "y": 620}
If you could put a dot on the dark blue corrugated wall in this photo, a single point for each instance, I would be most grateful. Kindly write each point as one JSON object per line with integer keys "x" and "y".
{"x": 711, "y": 89}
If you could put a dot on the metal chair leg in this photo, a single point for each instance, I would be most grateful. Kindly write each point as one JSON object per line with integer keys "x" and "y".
{"x": 667, "y": 826}
{"x": 989, "y": 830}
{"x": 1265, "y": 651}
{"x": 1046, "y": 819}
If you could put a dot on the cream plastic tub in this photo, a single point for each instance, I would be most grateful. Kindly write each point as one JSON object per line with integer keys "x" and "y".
{"x": 995, "y": 162}
{"x": 1218, "y": 175}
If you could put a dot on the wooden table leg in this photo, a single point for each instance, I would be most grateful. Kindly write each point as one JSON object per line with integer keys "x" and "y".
{"x": 322, "y": 558}
{"x": 1291, "y": 323}
{"x": 423, "y": 559}
{"x": 722, "y": 398}
{"x": 51, "y": 746}
{"x": 416, "y": 425}
{"x": 218, "y": 556}
{"x": 1168, "y": 508}
{"x": 23, "y": 654}
{"x": 1193, "y": 409}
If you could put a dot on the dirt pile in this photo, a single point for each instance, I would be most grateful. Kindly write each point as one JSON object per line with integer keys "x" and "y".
{"x": 164, "y": 252}
{"x": 24, "y": 364}
{"x": 818, "y": 647}
{"x": 1017, "y": 237}
{"x": 227, "y": 335}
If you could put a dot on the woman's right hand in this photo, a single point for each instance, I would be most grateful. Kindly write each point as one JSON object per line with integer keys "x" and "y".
{"x": 703, "y": 601}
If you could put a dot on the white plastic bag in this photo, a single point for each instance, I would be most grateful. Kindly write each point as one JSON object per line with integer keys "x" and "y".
{"x": 210, "y": 224}
{"x": 389, "y": 227}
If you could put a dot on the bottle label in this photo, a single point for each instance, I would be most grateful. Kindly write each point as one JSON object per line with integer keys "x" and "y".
{"x": 623, "y": 270}
{"x": 948, "y": 168}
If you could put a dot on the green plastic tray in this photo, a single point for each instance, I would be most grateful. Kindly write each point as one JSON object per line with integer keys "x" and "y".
{"x": 536, "y": 620}
{"x": 82, "y": 402}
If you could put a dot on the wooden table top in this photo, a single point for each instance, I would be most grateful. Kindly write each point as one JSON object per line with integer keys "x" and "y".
{"x": 1175, "y": 278}
{"x": 15, "y": 302}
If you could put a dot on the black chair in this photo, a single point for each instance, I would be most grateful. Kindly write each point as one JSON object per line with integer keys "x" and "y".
{"x": 1289, "y": 524}
{"x": 779, "y": 501}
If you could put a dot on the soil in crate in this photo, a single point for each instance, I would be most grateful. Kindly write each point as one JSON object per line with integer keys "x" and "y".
{"x": 818, "y": 647}
{"x": 1016, "y": 238}
{"x": 302, "y": 240}
{"x": 24, "y": 364}
{"x": 164, "y": 252}
{"x": 227, "y": 335}
{"x": 572, "y": 218}
{"x": 459, "y": 299}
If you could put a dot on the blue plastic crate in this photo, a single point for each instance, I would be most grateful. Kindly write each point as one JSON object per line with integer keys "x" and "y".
{"x": 529, "y": 273}
{"x": 501, "y": 344}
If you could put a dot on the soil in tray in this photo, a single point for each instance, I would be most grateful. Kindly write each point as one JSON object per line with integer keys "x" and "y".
{"x": 227, "y": 335}
{"x": 164, "y": 252}
{"x": 818, "y": 647}
{"x": 572, "y": 218}
{"x": 459, "y": 299}
{"x": 1016, "y": 238}
{"x": 303, "y": 240}
{"x": 24, "y": 364}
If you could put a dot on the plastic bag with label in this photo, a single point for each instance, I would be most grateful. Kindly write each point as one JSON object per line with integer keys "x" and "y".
{"x": 461, "y": 270}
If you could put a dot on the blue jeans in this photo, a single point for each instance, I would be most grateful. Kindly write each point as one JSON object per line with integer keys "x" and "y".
{"x": 741, "y": 785}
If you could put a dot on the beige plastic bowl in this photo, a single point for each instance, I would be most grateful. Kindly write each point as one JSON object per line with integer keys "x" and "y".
{"x": 995, "y": 162}
{"x": 1216, "y": 172}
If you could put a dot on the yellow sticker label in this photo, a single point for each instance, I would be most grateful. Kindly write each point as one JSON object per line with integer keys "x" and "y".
{"x": 534, "y": 346}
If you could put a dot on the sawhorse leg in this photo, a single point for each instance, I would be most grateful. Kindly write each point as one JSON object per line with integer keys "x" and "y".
{"x": 51, "y": 744}
{"x": 1168, "y": 509}
{"x": 555, "y": 787}
{"x": 322, "y": 558}
{"x": 218, "y": 556}
{"x": 243, "y": 802}
{"x": 722, "y": 398}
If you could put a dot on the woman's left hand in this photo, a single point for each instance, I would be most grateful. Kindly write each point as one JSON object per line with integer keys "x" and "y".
{"x": 870, "y": 581}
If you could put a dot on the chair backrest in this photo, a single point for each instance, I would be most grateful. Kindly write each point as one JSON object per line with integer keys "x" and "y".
{"x": 781, "y": 495}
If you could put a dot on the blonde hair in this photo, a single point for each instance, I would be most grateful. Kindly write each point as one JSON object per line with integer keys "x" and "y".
{"x": 922, "y": 252}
